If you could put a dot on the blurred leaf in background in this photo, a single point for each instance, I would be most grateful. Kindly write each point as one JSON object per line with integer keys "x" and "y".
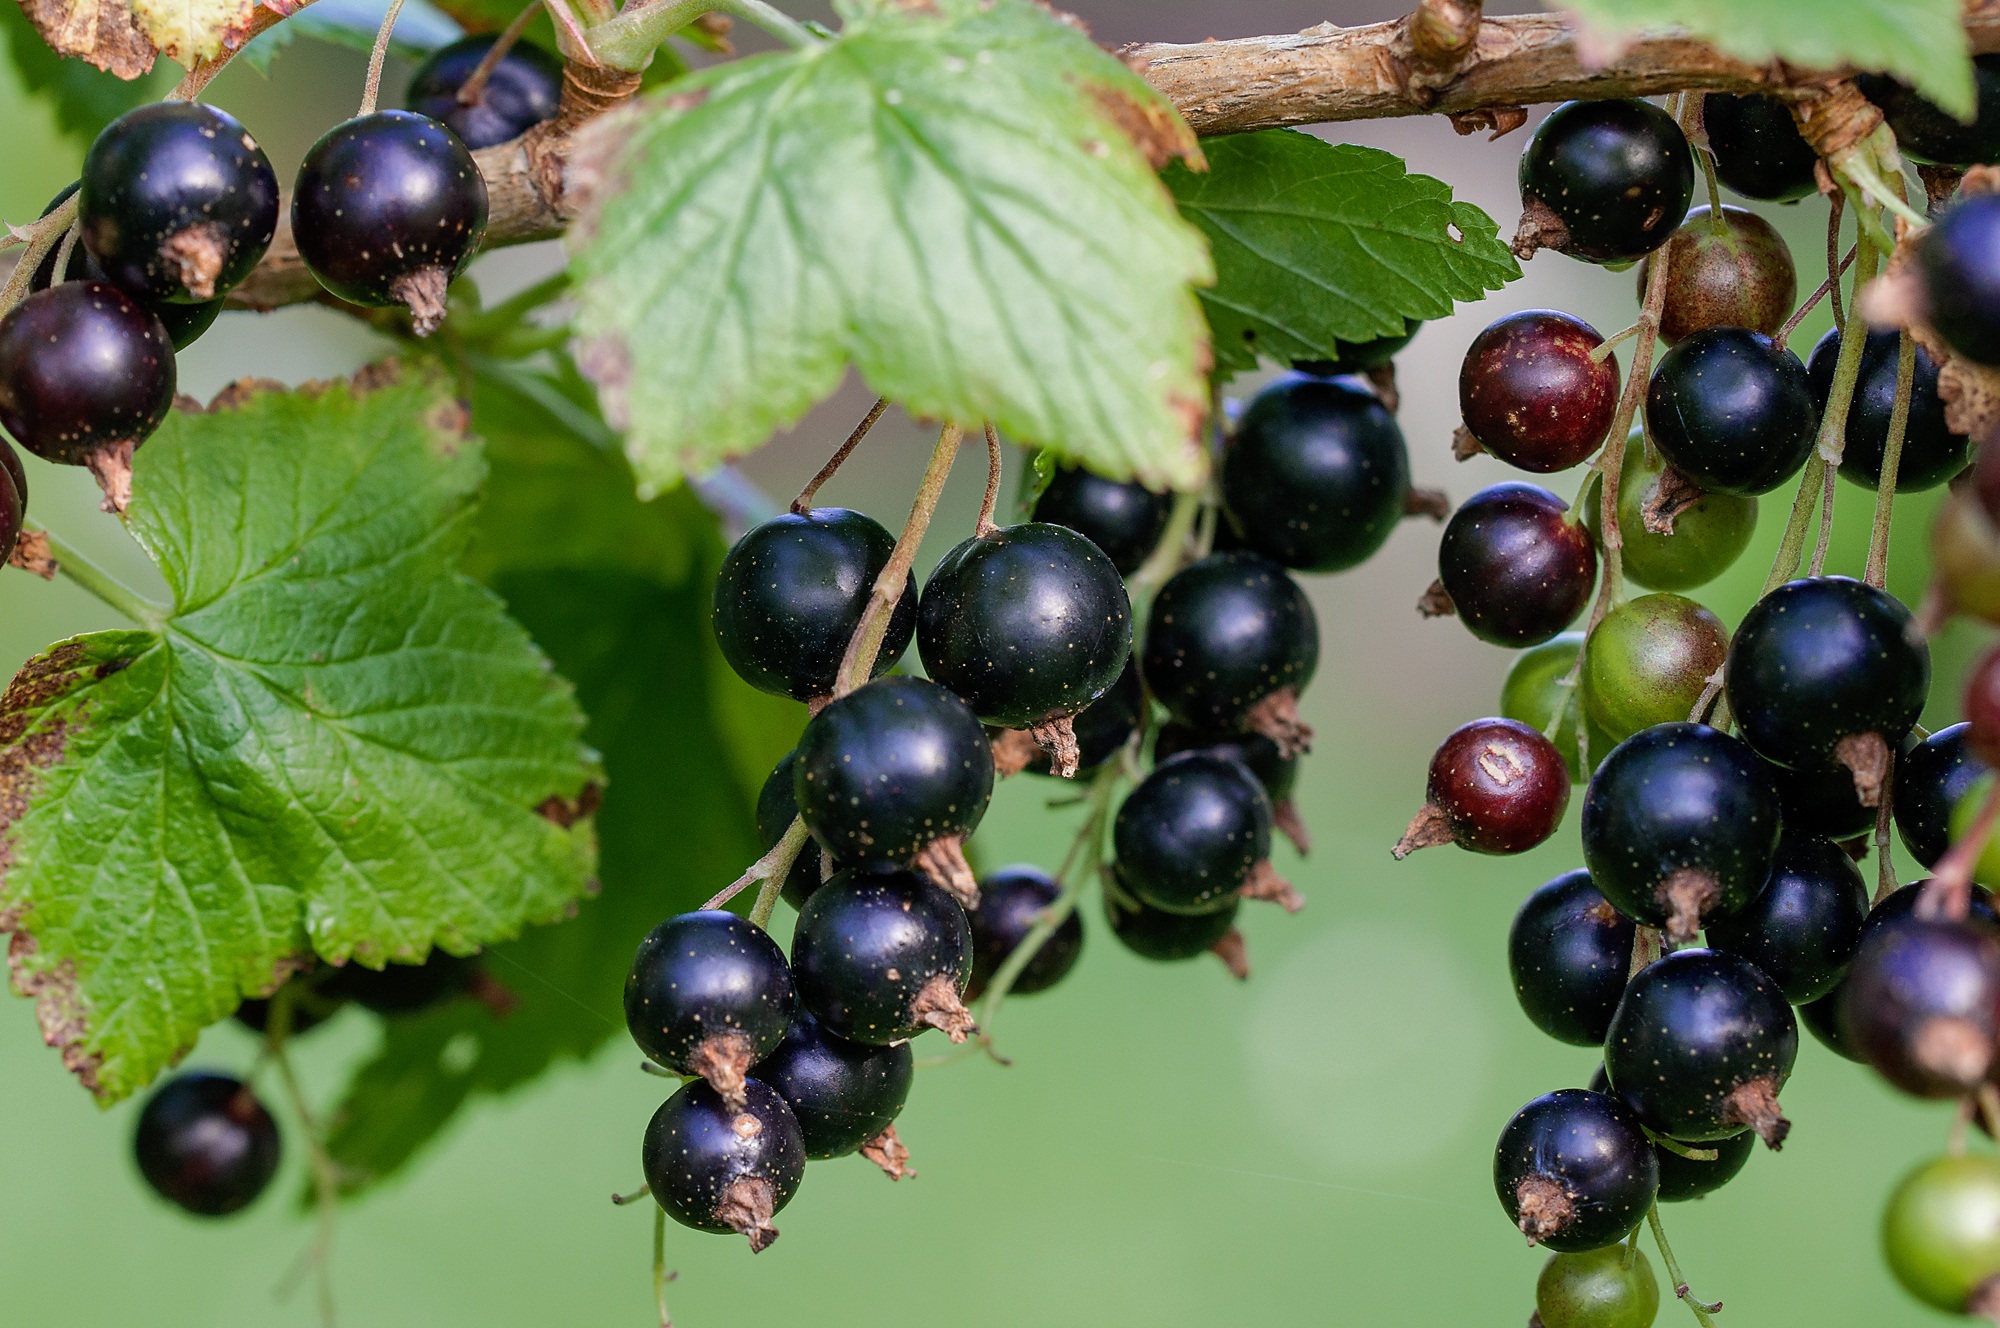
{"x": 84, "y": 97}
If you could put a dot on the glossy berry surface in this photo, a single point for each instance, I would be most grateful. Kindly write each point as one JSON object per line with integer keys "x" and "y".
{"x": 1705, "y": 542}
{"x": 1931, "y": 454}
{"x": 1317, "y": 475}
{"x": 184, "y": 322}
{"x": 1103, "y": 727}
{"x": 1529, "y": 391}
{"x": 1574, "y": 1170}
{"x": 841, "y": 1093}
{"x": 82, "y": 366}
{"x": 1122, "y": 518}
{"x": 1959, "y": 261}
{"x": 206, "y": 1143}
{"x": 1701, "y": 1046}
{"x": 1824, "y": 659}
{"x": 1759, "y": 151}
{"x": 1821, "y": 800}
{"x": 1941, "y": 1231}
{"x": 720, "y": 1168}
{"x": 1568, "y": 951}
{"x": 880, "y": 955}
{"x": 523, "y": 90}
{"x": 1649, "y": 661}
{"x": 1537, "y": 682}
{"x": 1277, "y": 772}
{"x": 1732, "y": 410}
{"x": 1926, "y": 132}
{"x": 178, "y": 202}
{"x": 387, "y": 209}
{"x": 1495, "y": 786}
{"x": 1223, "y": 635}
{"x": 790, "y": 593}
{"x": 1597, "y": 1289}
{"x": 1516, "y": 568}
{"x": 777, "y": 806}
{"x": 1358, "y": 357}
{"x": 1680, "y": 824}
{"x": 709, "y": 994}
{"x": 1616, "y": 175}
{"x": 1163, "y": 937}
{"x": 1931, "y": 778}
{"x": 1734, "y": 273}
{"x": 1027, "y": 623}
{"x": 1804, "y": 925}
{"x": 1685, "y": 1178}
{"x": 1011, "y": 903}
{"x": 1922, "y": 1003}
{"x": 1192, "y": 834}
{"x": 402, "y": 989}
{"x": 891, "y": 767}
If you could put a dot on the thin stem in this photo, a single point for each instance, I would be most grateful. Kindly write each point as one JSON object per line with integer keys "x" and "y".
{"x": 803, "y": 503}
{"x": 475, "y": 83}
{"x": 1885, "y": 859}
{"x": 984, "y": 525}
{"x": 767, "y": 873}
{"x": 1877, "y": 571}
{"x": 620, "y": 1200}
{"x": 1830, "y": 286}
{"x": 42, "y": 235}
{"x": 204, "y": 69}
{"x": 64, "y": 250}
{"x": 1836, "y": 204}
{"x": 1165, "y": 559}
{"x": 1950, "y": 890}
{"x": 326, "y": 1174}
{"x": 1792, "y": 546}
{"x": 660, "y": 1275}
{"x": 373, "y": 87}
{"x": 1716, "y": 225}
{"x": 1602, "y": 350}
{"x": 859, "y": 662}
{"x": 1701, "y": 1311}
{"x": 105, "y": 586}
{"x": 1827, "y": 487}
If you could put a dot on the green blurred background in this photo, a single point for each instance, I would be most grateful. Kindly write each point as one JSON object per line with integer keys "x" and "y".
{"x": 1169, "y": 1147}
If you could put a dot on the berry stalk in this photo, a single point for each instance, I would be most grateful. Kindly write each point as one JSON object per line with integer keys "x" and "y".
{"x": 856, "y": 667}
{"x": 106, "y": 587}
{"x": 1877, "y": 572}
{"x": 1701, "y": 1311}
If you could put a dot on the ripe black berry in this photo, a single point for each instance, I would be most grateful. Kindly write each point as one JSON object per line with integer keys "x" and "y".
{"x": 1011, "y": 901}
{"x": 1358, "y": 357}
{"x": 523, "y": 90}
{"x": 1195, "y": 836}
{"x": 790, "y": 593}
{"x": 1736, "y": 274}
{"x": 1568, "y": 951}
{"x": 1822, "y": 1018}
{"x": 895, "y": 771}
{"x": 1649, "y": 661}
{"x": 1803, "y": 926}
{"x": 708, "y": 994}
{"x": 1102, "y": 729}
{"x": 1680, "y": 824}
{"x": 1684, "y": 1178}
{"x": 882, "y": 954}
{"x": 1821, "y": 800}
{"x": 1495, "y": 786}
{"x": 1732, "y": 410}
{"x": 1701, "y": 1046}
{"x": 1317, "y": 474}
{"x": 1604, "y": 181}
{"x": 387, "y": 209}
{"x": 1123, "y": 518}
{"x": 777, "y": 805}
{"x": 1516, "y": 569}
{"x": 1277, "y": 772}
{"x": 1574, "y": 1170}
{"x": 1932, "y": 453}
{"x": 1759, "y": 151}
{"x": 401, "y": 989}
{"x": 1531, "y": 394}
{"x": 178, "y": 202}
{"x": 1928, "y": 134}
{"x": 1930, "y": 779}
{"x": 1922, "y": 1003}
{"x": 1163, "y": 937}
{"x": 84, "y": 371}
{"x": 184, "y": 322}
{"x": 1029, "y": 624}
{"x": 1959, "y": 261}
{"x": 1231, "y": 642}
{"x": 206, "y": 1143}
{"x": 845, "y": 1095}
{"x": 720, "y": 1168}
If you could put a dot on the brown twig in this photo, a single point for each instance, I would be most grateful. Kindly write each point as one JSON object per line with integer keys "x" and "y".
{"x": 803, "y": 503}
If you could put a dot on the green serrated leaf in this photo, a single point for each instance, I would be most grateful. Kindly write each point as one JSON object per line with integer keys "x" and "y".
{"x": 1317, "y": 243}
{"x": 951, "y": 198}
{"x": 332, "y": 743}
{"x": 84, "y": 98}
{"x": 1920, "y": 41}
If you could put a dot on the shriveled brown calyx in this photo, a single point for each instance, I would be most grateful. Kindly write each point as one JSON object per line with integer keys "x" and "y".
{"x": 1544, "y": 1206}
{"x": 1285, "y": 819}
{"x": 195, "y": 255}
{"x": 1866, "y": 756}
{"x": 1429, "y": 828}
{"x": 943, "y": 860}
{"x": 1686, "y": 895}
{"x": 1984, "y": 1302}
{"x": 1234, "y": 954}
{"x": 1671, "y": 495}
{"x": 886, "y": 1151}
{"x": 31, "y": 554}
{"x": 423, "y": 293}
{"x": 1755, "y": 1103}
{"x": 111, "y": 466}
{"x": 1264, "y": 883}
{"x": 724, "y": 1060}
{"x": 1277, "y": 717}
{"x": 938, "y": 1006}
{"x": 1057, "y": 737}
{"x": 1435, "y": 602}
{"x": 1954, "y": 1049}
{"x": 1539, "y": 229}
{"x": 1464, "y": 445}
{"x": 1500, "y": 121}
{"x": 1433, "y": 503}
{"x": 1382, "y": 381}
{"x": 746, "y": 1208}
{"x": 1014, "y": 750}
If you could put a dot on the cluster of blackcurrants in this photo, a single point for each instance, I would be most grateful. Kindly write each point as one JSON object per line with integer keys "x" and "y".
{"x": 177, "y": 204}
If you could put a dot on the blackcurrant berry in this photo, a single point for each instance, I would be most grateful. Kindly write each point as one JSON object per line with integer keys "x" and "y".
{"x": 880, "y": 955}
{"x": 777, "y": 806}
{"x": 387, "y": 209}
{"x": 1823, "y": 669}
{"x": 1932, "y": 453}
{"x": 1277, "y": 772}
{"x": 791, "y": 592}
{"x": 1568, "y": 951}
{"x": 1123, "y": 518}
{"x": 845, "y": 1095}
{"x": 1732, "y": 410}
{"x": 896, "y": 771}
{"x": 206, "y": 1143}
{"x": 1821, "y": 800}
{"x": 1680, "y": 824}
{"x": 1195, "y": 836}
{"x": 1102, "y": 729}
{"x": 1927, "y": 133}
{"x": 85, "y": 372}
{"x": 1931, "y": 778}
{"x": 1922, "y": 1003}
{"x": 523, "y": 90}
{"x": 708, "y": 994}
{"x": 1649, "y": 661}
{"x": 1803, "y": 926}
{"x": 1733, "y": 273}
{"x": 1495, "y": 786}
{"x": 1029, "y": 624}
{"x": 1823, "y": 1019}
{"x": 1612, "y": 1287}
{"x": 1700, "y": 1047}
{"x": 1575, "y": 1171}
{"x": 1941, "y": 1234}
{"x": 1958, "y": 259}
{"x": 1708, "y": 534}
{"x": 1759, "y": 151}
{"x": 178, "y": 202}
{"x": 1538, "y": 682}
{"x": 1231, "y": 642}
{"x": 1317, "y": 474}
{"x": 1531, "y": 393}
{"x": 402, "y": 989}
{"x": 184, "y": 322}
{"x": 1824, "y": 1016}
{"x": 1514, "y": 566}
{"x": 13, "y": 498}
{"x": 1358, "y": 357}
{"x": 1604, "y": 181}
{"x": 1011, "y": 902}
{"x": 721, "y": 1168}
{"x": 1163, "y": 937}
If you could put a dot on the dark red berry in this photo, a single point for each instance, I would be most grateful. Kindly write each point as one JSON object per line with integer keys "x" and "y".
{"x": 1982, "y": 710}
{"x": 523, "y": 90}
{"x": 1732, "y": 410}
{"x": 206, "y": 1143}
{"x": 1516, "y": 568}
{"x": 1736, "y": 274}
{"x": 1759, "y": 151}
{"x": 83, "y": 369}
{"x": 1496, "y": 786}
{"x": 1604, "y": 181}
{"x": 717, "y": 1167}
{"x": 1531, "y": 394}
{"x": 1574, "y": 1170}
